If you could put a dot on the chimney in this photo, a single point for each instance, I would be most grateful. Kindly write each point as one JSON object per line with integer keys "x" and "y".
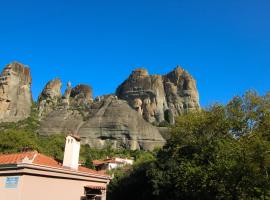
{"x": 72, "y": 151}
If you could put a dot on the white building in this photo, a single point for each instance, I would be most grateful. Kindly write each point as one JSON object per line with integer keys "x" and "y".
{"x": 112, "y": 163}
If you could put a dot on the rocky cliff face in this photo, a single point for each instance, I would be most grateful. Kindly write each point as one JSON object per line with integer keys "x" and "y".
{"x": 105, "y": 121}
{"x": 122, "y": 120}
{"x": 15, "y": 93}
{"x": 160, "y": 98}
{"x": 49, "y": 97}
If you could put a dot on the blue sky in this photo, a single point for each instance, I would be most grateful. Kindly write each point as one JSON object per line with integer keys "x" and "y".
{"x": 224, "y": 44}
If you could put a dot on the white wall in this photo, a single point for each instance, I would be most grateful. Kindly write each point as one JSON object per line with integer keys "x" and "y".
{"x": 72, "y": 152}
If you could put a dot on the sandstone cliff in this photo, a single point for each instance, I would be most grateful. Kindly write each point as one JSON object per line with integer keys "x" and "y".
{"x": 15, "y": 93}
{"x": 160, "y": 98}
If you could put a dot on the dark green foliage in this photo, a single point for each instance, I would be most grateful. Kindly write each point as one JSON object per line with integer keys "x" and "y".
{"x": 53, "y": 146}
{"x": 20, "y": 135}
{"x": 88, "y": 154}
{"x": 219, "y": 153}
{"x": 132, "y": 182}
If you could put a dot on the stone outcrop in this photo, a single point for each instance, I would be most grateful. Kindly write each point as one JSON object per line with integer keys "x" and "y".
{"x": 181, "y": 93}
{"x": 15, "y": 93}
{"x": 107, "y": 121}
{"x": 49, "y": 97}
{"x": 81, "y": 95}
{"x": 160, "y": 98}
{"x": 125, "y": 119}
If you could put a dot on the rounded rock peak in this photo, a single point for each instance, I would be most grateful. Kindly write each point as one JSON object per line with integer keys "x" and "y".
{"x": 18, "y": 69}
{"x": 55, "y": 83}
{"x": 82, "y": 90}
{"x": 178, "y": 70}
{"x": 140, "y": 72}
{"x": 16, "y": 66}
{"x": 51, "y": 90}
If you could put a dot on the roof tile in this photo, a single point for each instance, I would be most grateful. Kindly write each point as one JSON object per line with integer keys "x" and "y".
{"x": 39, "y": 159}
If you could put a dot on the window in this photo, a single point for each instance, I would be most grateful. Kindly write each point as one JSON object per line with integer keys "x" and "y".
{"x": 93, "y": 194}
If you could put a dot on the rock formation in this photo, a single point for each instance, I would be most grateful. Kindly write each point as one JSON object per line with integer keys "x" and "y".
{"x": 107, "y": 121}
{"x": 49, "y": 97}
{"x": 181, "y": 93}
{"x": 160, "y": 98}
{"x": 121, "y": 120}
{"x": 15, "y": 93}
{"x": 81, "y": 95}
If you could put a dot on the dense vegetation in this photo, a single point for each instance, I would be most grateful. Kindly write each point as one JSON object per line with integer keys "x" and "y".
{"x": 222, "y": 152}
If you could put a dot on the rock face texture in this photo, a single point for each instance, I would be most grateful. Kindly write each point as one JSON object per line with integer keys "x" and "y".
{"x": 122, "y": 120}
{"x": 81, "y": 95}
{"x": 106, "y": 121}
{"x": 49, "y": 97}
{"x": 15, "y": 93}
{"x": 160, "y": 98}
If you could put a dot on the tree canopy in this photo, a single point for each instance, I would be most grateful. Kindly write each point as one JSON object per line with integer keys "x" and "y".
{"x": 222, "y": 152}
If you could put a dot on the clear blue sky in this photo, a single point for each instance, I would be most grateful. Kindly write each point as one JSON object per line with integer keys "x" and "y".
{"x": 224, "y": 44}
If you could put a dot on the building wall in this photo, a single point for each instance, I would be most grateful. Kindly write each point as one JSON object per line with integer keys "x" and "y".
{"x": 31, "y": 187}
{"x": 44, "y": 188}
{"x": 113, "y": 166}
{"x": 8, "y": 192}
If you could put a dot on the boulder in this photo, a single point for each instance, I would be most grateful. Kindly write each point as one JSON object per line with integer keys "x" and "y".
{"x": 15, "y": 93}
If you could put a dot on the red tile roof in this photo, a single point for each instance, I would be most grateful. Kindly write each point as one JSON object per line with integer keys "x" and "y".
{"x": 106, "y": 161}
{"x": 39, "y": 159}
{"x": 15, "y": 158}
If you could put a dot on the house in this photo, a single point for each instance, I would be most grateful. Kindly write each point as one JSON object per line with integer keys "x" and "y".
{"x": 32, "y": 176}
{"x": 111, "y": 163}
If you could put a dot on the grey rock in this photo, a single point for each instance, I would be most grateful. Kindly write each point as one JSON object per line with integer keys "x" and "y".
{"x": 149, "y": 89}
{"x": 15, "y": 93}
{"x": 81, "y": 95}
{"x": 108, "y": 121}
{"x": 163, "y": 97}
{"x": 49, "y": 97}
{"x": 181, "y": 92}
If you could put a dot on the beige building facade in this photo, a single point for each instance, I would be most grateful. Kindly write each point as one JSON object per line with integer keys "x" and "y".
{"x": 34, "y": 176}
{"x": 28, "y": 182}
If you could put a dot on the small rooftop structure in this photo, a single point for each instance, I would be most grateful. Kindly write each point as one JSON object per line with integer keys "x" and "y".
{"x": 111, "y": 163}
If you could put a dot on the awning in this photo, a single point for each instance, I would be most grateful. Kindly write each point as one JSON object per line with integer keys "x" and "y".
{"x": 95, "y": 187}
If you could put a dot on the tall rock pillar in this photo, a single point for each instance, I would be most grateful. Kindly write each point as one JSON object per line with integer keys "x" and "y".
{"x": 15, "y": 93}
